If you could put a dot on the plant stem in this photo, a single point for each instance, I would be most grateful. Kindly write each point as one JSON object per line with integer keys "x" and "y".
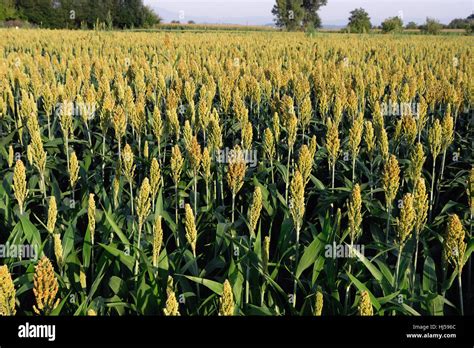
{"x": 295, "y": 283}
{"x": 389, "y": 212}
{"x": 176, "y": 213}
{"x": 233, "y": 207}
{"x": 287, "y": 175}
{"x": 432, "y": 188}
{"x": 461, "y": 302}
{"x": 398, "y": 266}
{"x": 415, "y": 260}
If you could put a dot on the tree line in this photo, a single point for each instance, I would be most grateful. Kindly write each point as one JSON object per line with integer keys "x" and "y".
{"x": 79, "y": 13}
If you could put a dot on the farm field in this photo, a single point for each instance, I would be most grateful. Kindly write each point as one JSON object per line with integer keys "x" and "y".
{"x": 215, "y": 173}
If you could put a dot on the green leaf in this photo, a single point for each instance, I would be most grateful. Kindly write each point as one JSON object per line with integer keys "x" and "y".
{"x": 362, "y": 287}
{"x": 429, "y": 275}
{"x": 218, "y": 288}
{"x": 310, "y": 255}
{"x": 127, "y": 260}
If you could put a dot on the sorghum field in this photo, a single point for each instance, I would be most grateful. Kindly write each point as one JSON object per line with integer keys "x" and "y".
{"x": 235, "y": 173}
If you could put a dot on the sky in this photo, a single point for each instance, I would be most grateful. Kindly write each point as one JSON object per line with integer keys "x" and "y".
{"x": 336, "y": 12}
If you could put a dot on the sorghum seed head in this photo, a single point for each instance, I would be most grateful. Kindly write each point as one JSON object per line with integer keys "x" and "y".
{"x": 391, "y": 179}
{"x": 226, "y": 302}
{"x": 319, "y": 301}
{"x": 91, "y": 216}
{"x": 177, "y": 162}
{"x": 297, "y": 204}
{"x": 305, "y": 163}
{"x": 157, "y": 239}
{"x": 255, "y": 209}
{"x": 73, "y": 170}
{"x": 45, "y": 287}
{"x": 435, "y": 138}
{"x": 52, "y": 214}
{"x": 7, "y": 293}
{"x": 143, "y": 202}
{"x": 406, "y": 222}
{"x": 354, "y": 213}
{"x": 58, "y": 249}
{"x": 19, "y": 184}
{"x": 420, "y": 198}
{"x": 190, "y": 227}
{"x": 365, "y": 304}
{"x": 454, "y": 244}
{"x": 236, "y": 170}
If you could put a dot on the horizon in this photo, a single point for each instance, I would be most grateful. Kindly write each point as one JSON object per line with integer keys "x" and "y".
{"x": 335, "y": 13}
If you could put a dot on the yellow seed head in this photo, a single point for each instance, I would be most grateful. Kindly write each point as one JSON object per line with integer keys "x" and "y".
{"x": 226, "y": 302}
{"x": 91, "y": 312}
{"x": 236, "y": 171}
{"x": 266, "y": 253}
{"x": 409, "y": 128}
{"x": 19, "y": 184}
{"x": 247, "y": 136}
{"x": 391, "y": 179}
{"x": 355, "y": 135}
{"x": 11, "y": 156}
{"x": 255, "y": 209}
{"x": 354, "y": 213}
{"x": 187, "y": 135}
{"x": 406, "y": 222}
{"x": 447, "y": 127}
{"x": 206, "y": 165}
{"x": 155, "y": 178}
{"x": 435, "y": 138}
{"x": 332, "y": 142}
{"x": 195, "y": 155}
{"x": 172, "y": 305}
{"x": 52, "y": 214}
{"x": 313, "y": 146}
{"x": 82, "y": 279}
{"x": 420, "y": 203}
{"x": 454, "y": 244}
{"x": 146, "y": 150}
{"x": 365, "y": 305}
{"x": 157, "y": 125}
{"x": 119, "y": 122}
{"x": 7, "y": 293}
{"x": 318, "y": 306}
{"x": 127, "y": 160}
{"x": 116, "y": 189}
{"x": 268, "y": 144}
{"x": 177, "y": 162}
{"x": 369, "y": 138}
{"x": 45, "y": 287}
{"x": 297, "y": 204}
{"x": 417, "y": 159}
{"x": 291, "y": 129}
{"x": 73, "y": 170}
{"x": 91, "y": 216}
{"x": 143, "y": 202}
{"x": 215, "y": 133}
{"x": 190, "y": 227}
{"x": 383, "y": 144}
{"x": 276, "y": 127}
{"x": 58, "y": 249}
{"x": 305, "y": 163}
{"x": 157, "y": 239}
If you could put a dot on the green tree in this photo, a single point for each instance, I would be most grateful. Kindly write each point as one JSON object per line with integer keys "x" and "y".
{"x": 432, "y": 26}
{"x": 311, "y": 18}
{"x": 289, "y": 14}
{"x": 411, "y": 25}
{"x": 7, "y": 10}
{"x": 392, "y": 25}
{"x": 359, "y": 21}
